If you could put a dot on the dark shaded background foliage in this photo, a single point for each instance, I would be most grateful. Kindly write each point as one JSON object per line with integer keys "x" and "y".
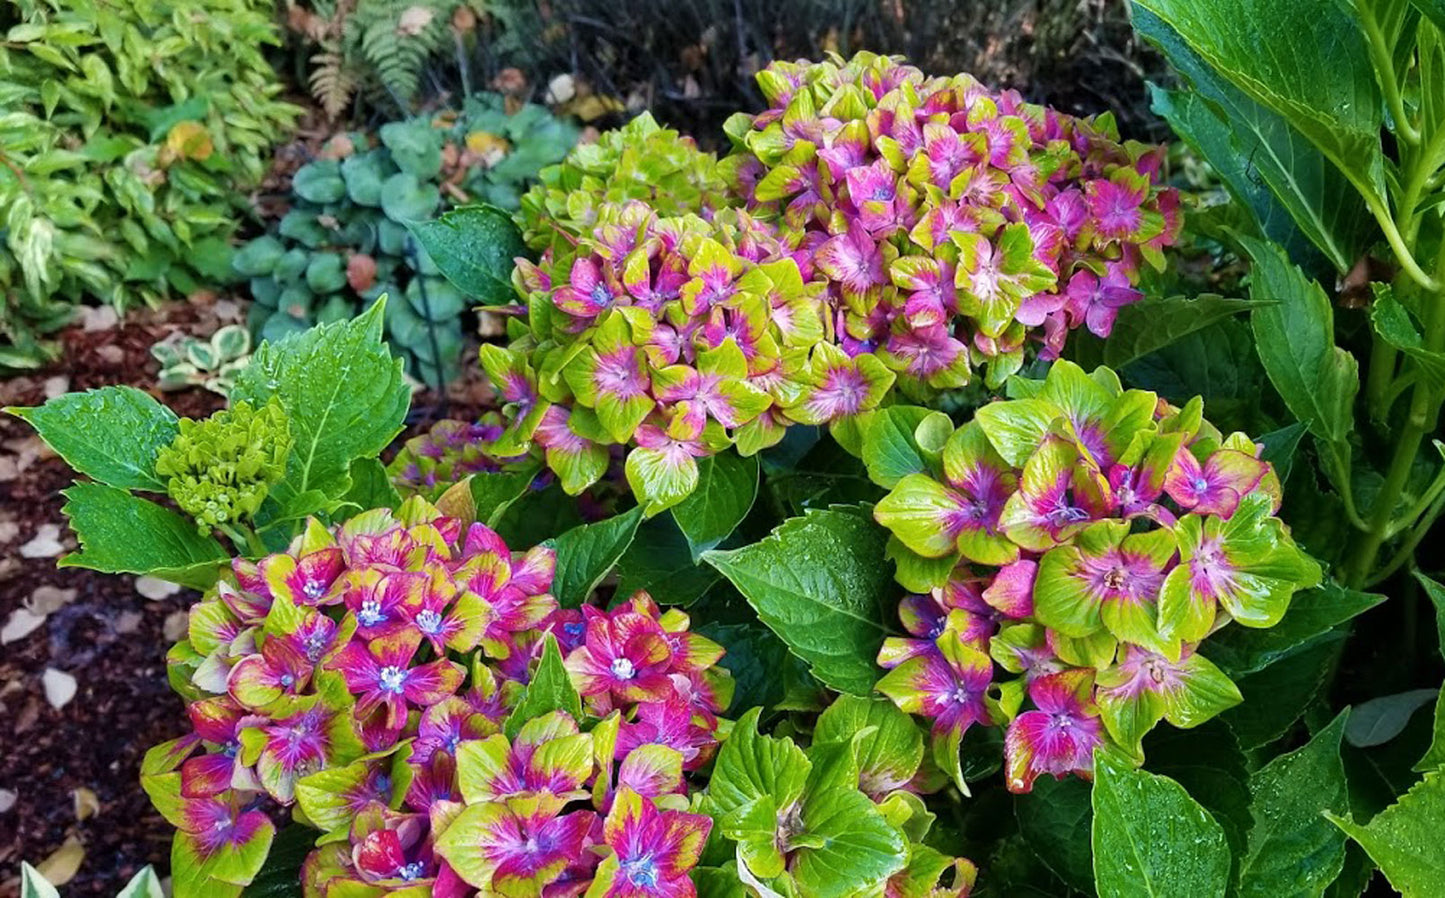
{"x": 692, "y": 61}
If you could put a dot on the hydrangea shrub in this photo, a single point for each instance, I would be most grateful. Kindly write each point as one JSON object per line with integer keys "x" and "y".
{"x": 729, "y": 597}
{"x": 874, "y": 234}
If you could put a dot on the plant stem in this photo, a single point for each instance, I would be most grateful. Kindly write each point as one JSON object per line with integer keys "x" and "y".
{"x": 1384, "y": 65}
{"x": 1424, "y": 410}
{"x": 1381, "y": 377}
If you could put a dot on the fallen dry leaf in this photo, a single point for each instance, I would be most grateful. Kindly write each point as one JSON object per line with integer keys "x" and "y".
{"x": 175, "y": 627}
{"x": 59, "y": 687}
{"x": 48, "y": 599}
{"x": 61, "y": 867}
{"x": 44, "y": 544}
{"x": 87, "y": 804}
{"x": 21, "y": 624}
{"x": 155, "y": 589}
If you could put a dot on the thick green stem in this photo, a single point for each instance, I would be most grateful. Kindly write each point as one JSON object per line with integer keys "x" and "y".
{"x": 1381, "y": 377}
{"x": 1384, "y": 64}
{"x": 1424, "y": 410}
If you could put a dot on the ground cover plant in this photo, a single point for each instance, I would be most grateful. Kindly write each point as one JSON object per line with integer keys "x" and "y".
{"x": 124, "y": 178}
{"x": 344, "y": 240}
{"x": 861, "y": 514}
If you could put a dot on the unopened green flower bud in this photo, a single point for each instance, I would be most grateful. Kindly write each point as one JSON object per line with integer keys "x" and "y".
{"x": 220, "y": 469}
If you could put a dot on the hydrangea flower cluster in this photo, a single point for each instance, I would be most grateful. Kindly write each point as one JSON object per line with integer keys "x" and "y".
{"x": 952, "y": 224}
{"x": 896, "y": 231}
{"x": 449, "y": 452}
{"x": 219, "y": 470}
{"x": 678, "y": 337}
{"x": 639, "y": 161}
{"x": 1068, "y": 553}
{"x": 411, "y": 689}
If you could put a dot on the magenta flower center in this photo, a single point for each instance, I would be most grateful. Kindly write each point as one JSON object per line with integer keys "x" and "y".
{"x": 313, "y": 589}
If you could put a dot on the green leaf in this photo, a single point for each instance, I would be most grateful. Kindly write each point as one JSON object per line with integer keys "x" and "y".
{"x": 1056, "y": 817}
{"x": 659, "y": 561}
{"x": 890, "y": 445}
{"x": 1280, "y": 447}
{"x": 1295, "y": 336}
{"x": 112, "y": 434}
{"x": 1296, "y": 196}
{"x": 1306, "y": 61}
{"x": 1209, "y": 764}
{"x": 1312, "y": 614}
{"x": 1404, "y": 839}
{"x": 282, "y": 870}
{"x": 124, "y": 534}
{"x": 1392, "y": 322}
{"x": 585, "y": 555}
{"x": 1434, "y": 10}
{"x": 853, "y": 849}
{"x": 493, "y": 492}
{"x": 727, "y": 486}
{"x": 820, "y": 583}
{"x": 344, "y": 395}
{"x": 550, "y": 690}
{"x": 1293, "y": 850}
{"x": 891, "y": 753}
{"x": 405, "y": 199}
{"x": 1155, "y": 322}
{"x": 1151, "y": 839}
{"x": 1434, "y": 758}
{"x": 319, "y": 182}
{"x": 370, "y": 486}
{"x": 751, "y": 766}
{"x": 32, "y": 884}
{"x": 1436, "y": 592}
{"x": 1276, "y": 696}
{"x": 1379, "y": 720}
{"x": 144, "y": 884}
{"x": 475, "y": 247}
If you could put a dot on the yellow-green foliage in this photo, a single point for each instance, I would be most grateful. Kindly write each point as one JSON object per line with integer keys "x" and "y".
{"x": 220, "y": 469}
{"x": 129, "y": 133}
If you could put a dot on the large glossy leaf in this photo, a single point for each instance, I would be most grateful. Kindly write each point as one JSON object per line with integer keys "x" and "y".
{"x": 344, "y": 396}
{"x": 1305, "y": 60}
{"x": 1056, "y": 817}
{"x": 1295, "y": 336}
{"x": 1151, "y": 840}
{"x": 585, "y": 555}
{"x": 112, "y": 434}
{"x": 1287, "y": 184}
{"x": 727, "y": 485}
{"x": 1276, "y": 696}
{"x": 1405, "y": 839}
{"x": 124, "y": 534}
{"x": 1312, "y": 614}
{"x": 1294, "y": 851}
{"x": 1156, "y": 322}
{"x": 819, "y": 583}
{"x": 475, "y": 247}
{"x": 660, "y": 562}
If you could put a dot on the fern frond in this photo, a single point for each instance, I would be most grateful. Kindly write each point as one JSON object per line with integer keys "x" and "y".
{"x": 333, "y": 84}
